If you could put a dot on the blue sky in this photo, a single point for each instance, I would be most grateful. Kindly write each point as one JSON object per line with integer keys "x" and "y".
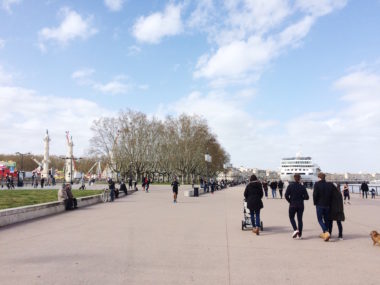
{"x": 271, "y": 77}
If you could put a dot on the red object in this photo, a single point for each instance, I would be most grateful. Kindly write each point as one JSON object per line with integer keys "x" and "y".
{"x": 4, "y": 171}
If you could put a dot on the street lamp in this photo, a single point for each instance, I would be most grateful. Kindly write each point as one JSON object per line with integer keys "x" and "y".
{"x": 208, "y": 159}
{"x": 20, "y": 182}
{"x": 71, "y": 167}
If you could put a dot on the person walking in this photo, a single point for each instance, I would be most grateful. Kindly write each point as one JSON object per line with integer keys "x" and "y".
{"x": 364, "y": 188}
{"x": 295, "y": 194}
{"x": 346, "y": 193}
{"x": 111, "y": 187}
{"x": 130, "y": 183}
{"x": 123, "y": 187}
{"x": 373, "y": 193}
{"x": 253, "y": 195}
{"x": 280, "y": 187}
{"x": 175, "y": 185}
{"x": 336, "y": 210}
{"x": 265, "y": 187}
{"x": 212, "y": 182}
{"x": 273, "y": 186}
{"x": 146, "y": 184}
{"x": 42, "y": 182}
{"x": 322, "y": 201}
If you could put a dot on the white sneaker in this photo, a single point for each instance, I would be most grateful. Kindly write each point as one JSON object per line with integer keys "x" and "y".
{"x": 295, "y": 234}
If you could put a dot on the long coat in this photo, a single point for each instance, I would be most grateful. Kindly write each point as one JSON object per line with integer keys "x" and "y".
{"x": 336, "y": 206}
{"x": 253, "y": 194}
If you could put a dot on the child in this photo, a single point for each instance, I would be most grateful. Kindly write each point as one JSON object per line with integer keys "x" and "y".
{"x": 373, "y": 193}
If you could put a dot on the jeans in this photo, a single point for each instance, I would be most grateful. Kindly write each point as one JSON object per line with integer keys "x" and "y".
{"x": 255, "y": 218}
{"x": 340, "y": 228}
{"x": 292, "y": 212}
{"x": 266, "y": 192}
{"x": 112, "y": 194}
{"x": 280, "y": 190}
{"x": 323, "y": 217}
{"x": 274, "y": 194}
{"x": 366, "y": 194}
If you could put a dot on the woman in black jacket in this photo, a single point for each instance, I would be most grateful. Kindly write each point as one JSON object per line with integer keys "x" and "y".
{"x": 336, "y": 211}
{"x": 253, "y": 194}
{"x": 295, "y": 195}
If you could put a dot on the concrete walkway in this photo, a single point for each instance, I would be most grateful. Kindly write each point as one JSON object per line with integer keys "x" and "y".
{"x": 147, "y": 239}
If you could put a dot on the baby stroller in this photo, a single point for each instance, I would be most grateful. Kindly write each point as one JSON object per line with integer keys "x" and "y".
{"x": 247, "y": 223}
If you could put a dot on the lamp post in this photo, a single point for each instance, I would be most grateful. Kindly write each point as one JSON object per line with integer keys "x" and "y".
{"x": 71, "y": 167}
{"x": 20, "y": 182}
{"x": 208, "y": 159}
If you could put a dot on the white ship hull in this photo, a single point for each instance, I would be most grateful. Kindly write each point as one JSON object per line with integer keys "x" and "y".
{"x": 301, "y": 165}
{"x": 305, "y": 177}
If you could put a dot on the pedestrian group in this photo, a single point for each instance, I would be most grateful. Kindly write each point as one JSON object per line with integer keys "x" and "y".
{"x": 327, "y": 199}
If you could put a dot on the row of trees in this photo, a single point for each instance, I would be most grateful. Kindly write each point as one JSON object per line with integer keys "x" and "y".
{"x": 27, "y": 163}
{"x": 135, "y": 145}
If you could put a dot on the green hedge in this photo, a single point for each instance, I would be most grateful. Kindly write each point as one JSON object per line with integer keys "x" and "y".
{"x": 18, "y": 198}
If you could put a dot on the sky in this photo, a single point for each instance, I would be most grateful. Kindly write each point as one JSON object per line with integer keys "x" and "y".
{"x": 272, "y": 77}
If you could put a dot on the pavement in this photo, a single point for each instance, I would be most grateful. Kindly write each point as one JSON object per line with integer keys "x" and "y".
{"x": 145, "y": 238}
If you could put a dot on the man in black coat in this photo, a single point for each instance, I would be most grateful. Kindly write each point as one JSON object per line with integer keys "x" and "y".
{"x": 253, "y": 194}
{"x": 322, "y": 200}
{"x": 280, "y": 187}
{"x": 273, "y": 186}
{"x": 295, "y": 194}
{"x": 365, "y": 189}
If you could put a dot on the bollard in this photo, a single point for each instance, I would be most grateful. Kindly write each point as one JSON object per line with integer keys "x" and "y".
{"x": 196, "y": 192}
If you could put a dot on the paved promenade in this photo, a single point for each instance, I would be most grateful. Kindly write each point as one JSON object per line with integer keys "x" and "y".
{"x": 146, "y": 239}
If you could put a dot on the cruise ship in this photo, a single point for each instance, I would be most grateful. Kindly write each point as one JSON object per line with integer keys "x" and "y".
{"x": 299, "y": 164}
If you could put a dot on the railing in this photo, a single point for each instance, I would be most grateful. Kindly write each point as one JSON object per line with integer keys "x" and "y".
{"x": 355, "y": 188}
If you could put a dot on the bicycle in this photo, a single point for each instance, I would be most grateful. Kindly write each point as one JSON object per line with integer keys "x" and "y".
{"x": 106, "y": 197}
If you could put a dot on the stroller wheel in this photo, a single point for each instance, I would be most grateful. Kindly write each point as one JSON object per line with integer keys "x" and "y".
{"x": 261, "y": 226}
{"x": 242, "y": 225}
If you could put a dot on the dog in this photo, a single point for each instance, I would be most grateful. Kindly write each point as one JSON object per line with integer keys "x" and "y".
{"x": 375, "y": 237}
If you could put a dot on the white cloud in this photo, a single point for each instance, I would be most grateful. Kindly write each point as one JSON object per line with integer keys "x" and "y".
{"x": 253, "y": 33}
{"x": 83, "y": 76}
{"x": 2, "y": 43}
{"x": 73, "y": 26}
{"x": 133, "y": 50}
{"x": 203, "y": 13}
{"x": 153, "y": 28}
{"x": 114, "y": 5}
{"x": 234, "y": 60}
{"x": 114, "y": 87}
{"x": 7, "y": 4}
{"x": 320, "y": 7}
{"x": 257, "y": 16}
{"x": 35, "y": 113}
{"x": 118, "y": 85}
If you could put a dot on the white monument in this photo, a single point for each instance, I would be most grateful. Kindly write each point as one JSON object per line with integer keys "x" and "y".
{"x": 45, "y": 161}
{"x": 69, "y": 167}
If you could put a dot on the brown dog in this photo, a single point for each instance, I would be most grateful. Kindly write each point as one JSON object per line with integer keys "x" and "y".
{"x": 375, "y": 237}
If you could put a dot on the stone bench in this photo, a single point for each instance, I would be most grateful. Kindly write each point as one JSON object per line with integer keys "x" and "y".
{"x": 25, "y": 213}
